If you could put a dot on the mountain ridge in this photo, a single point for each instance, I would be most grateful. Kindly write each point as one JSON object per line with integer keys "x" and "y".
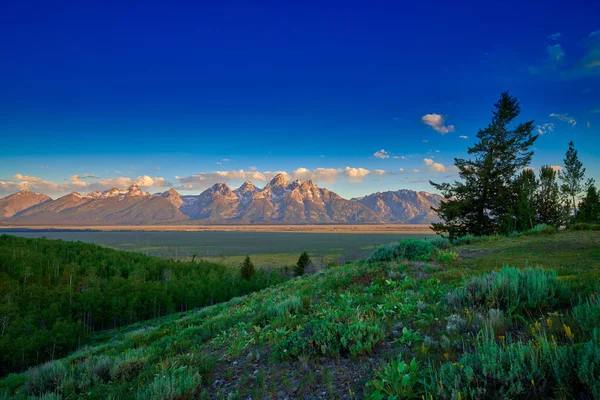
{"x": 279, "y": 201}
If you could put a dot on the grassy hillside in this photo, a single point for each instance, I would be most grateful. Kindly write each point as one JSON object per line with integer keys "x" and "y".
{"x": 451, "y": 324}
{"x": 55, "y": 295}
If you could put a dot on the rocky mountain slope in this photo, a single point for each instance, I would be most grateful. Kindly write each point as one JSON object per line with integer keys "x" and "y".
{"x": 13, "y": 204}
{"x": 403, "y": 206}
{"x": 279, "y": 201}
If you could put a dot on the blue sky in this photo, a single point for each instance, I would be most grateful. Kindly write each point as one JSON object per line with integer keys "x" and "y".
{"x": 108, "y": 94}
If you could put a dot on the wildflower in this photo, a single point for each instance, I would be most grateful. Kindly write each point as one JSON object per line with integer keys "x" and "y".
{"x": 549, "y": 322}
{"x": 568, "y": 332}
{"x": 533, "y": 383}
{"x": 501, "y": 337}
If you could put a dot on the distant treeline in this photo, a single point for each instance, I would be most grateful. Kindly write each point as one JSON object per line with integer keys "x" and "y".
{"x": 55, "y": 294}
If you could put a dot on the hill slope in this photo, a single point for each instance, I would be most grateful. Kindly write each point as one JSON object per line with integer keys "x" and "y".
{"x": 331, "y": 334}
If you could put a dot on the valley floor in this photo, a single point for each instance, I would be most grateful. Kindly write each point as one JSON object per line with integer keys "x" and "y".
{"x": 372, "y": 228}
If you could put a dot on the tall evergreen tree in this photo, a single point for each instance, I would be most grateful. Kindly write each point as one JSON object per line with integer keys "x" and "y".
{"x": 572, "y": 177}
{"x": 302, "y": 263}
{"x": 589, "y": 208}
{"x": 524, "y": 209}
{"x": 548, "y": 199}
{"x": 247, "y": 269}
{"x": 481, "y": 201}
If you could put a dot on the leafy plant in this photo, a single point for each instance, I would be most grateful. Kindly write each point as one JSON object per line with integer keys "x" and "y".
{"x": 398, "y": 380}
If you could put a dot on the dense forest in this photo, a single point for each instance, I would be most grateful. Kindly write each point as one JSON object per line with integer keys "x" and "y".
{"x": 55, "y": 294}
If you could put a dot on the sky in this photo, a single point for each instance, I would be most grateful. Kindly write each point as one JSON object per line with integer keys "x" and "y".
{"x": 357, "y": 96}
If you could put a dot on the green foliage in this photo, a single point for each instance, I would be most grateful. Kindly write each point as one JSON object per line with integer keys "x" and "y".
{"x": 181, "y": 384}
{"x": 290, "y": 306}
{"x": 408, "y": 249}
{"x": 441, "y": 243}
{"x": 541, "y": 229}
{"x": 54, "y": 295}
{"x": 330, "y": 337}
{"x": 589, "y": 208}
{"x": 587, "y": 313}
{"x": 477, "y": 204}
{"x": 303, "y": 262}
{"x": 572, "y": 177}
{"x": 513, "y": 290}
{"x": 585, "y": 227}
{"x": 399, "y": 380}
{"x": 247, "y": 270}
{"x": 524, "y": 209}
{"x": 446, "y": 256}
{"x": 549, "y": 201}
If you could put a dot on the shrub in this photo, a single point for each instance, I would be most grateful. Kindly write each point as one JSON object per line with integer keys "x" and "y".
{"x": 398, "y": 380}
{"x": 45, "y": 378}
{"x": 290, "y": 306}
{"x": 329, "y": 337}
{"x": 128, "y": 370}
{"x": 409, "y": 249}
{"x": 446, "y": 256}
{"x": 12, "y": 383}
{"x": 585, "y": 227}
{"x": 587, "y": 313}
{"x": 179, "y": 384}
{"x": 441, "y": 243}
{"x": 512, "y": 289}
{"x": 541, "y": 229}
{"x": 499, "y": 369}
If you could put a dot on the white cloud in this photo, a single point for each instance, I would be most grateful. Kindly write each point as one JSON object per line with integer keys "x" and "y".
{"x": 437, "y": 167}
{"x": 556, "y": 168}
{"x": 379, "y": 172}
{"x": 565, "y": 118}
{"x": 382, "y": 154}
{"x": 78, "y": 183}
{"x": 437, "y": 122}
{"x": 44, "y": 166}
{"x": 414, "y": 170}
{"x": 253, "y": 168}
{"x": 463, "y": 137}
{"x": 588, "y": 124}
{"x": 554, "y": 36}
{"x": 425, "y": 140}
{"x": 596, "y": 111}
{"x": 401, "y": 169}
{"x": 545, "y": 128}
{"x": 355, "y": 174}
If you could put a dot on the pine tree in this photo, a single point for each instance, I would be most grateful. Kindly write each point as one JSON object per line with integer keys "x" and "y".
{"x": 302, "y": 263}
{"x": 572, "y": 177}
{"x": 481, "y": 203}
{"x": 548, "y": 199}
{"x": 247, "y": 268}
{"x": 525, "y": 210}
{"x": 589, "y": 208}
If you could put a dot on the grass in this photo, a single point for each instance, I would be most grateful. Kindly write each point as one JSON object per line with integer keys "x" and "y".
{"x": 267, "y": 249}
{"x": 466, "y": 326}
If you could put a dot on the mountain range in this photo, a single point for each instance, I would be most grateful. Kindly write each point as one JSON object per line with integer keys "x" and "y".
{"x": 279, "y": 202}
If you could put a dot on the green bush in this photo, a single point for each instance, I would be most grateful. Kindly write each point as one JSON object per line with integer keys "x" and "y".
{"x": 290, "y": 306}
{"x": 500, "y": 369}
{"x": 441, "y": 243}
{"x": 128, "y": 370}
{"x": 409, "y": 249}
{"x": 587, "y": 313}
{"x": 541, "y": 229}
{"x": 180, "y": 384}
{"x": 329, "y": 337}
{"x": 398, "y": 380}
{"x": 45, "y": 378}
{"x": 446, "y": 256}
{"x": 512, "y": 289}
{"x": 585, "y": 227}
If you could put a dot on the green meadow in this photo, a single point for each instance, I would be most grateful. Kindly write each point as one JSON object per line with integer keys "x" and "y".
{"x": 267, "y": 249}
